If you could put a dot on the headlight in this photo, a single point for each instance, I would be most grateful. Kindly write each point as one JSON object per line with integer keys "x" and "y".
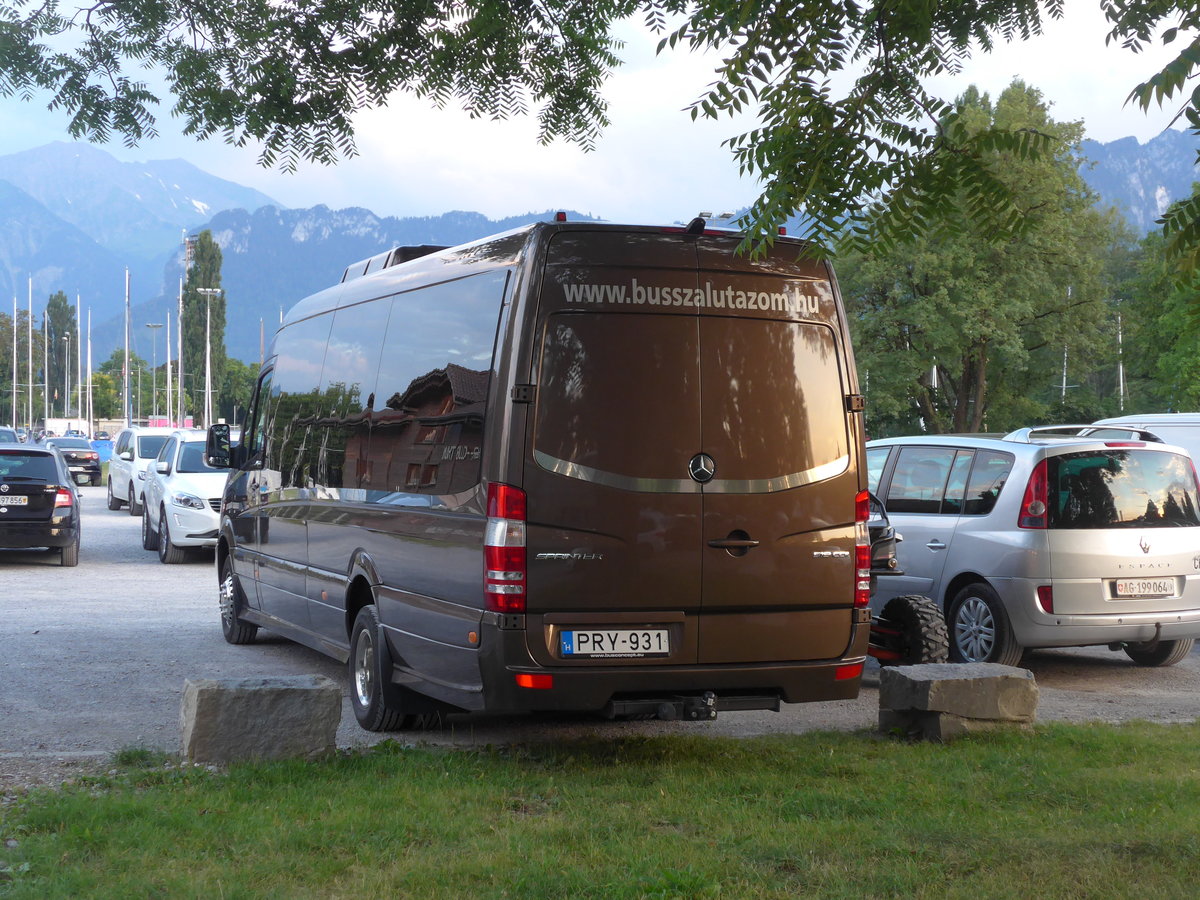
{"x": 188, "y": 501}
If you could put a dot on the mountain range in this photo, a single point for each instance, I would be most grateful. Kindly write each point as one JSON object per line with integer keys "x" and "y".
{"x": 73, "y": 218}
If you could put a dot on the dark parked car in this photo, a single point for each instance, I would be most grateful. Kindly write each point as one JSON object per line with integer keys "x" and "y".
{"x": 39, "y": 505}
{"x": 82, "y": 459}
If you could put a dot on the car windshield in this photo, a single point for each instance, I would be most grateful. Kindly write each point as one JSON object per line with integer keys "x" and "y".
{"x": 1122, "y": 489}
{"x": 191, "y": 459}
{"x": 15, "y": 464}
{"x": 149, "y": 445}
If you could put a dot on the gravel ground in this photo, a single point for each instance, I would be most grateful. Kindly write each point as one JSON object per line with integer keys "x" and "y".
{"x": 95, "y": 657}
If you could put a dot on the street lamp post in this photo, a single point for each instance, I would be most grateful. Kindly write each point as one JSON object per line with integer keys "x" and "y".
{"x": 154, "y": 326}
{"x": 67, "y": 376}
{"x": 208, "y": 293}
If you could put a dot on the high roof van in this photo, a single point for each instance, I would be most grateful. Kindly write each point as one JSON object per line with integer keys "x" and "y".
{"x": 570, "y": 467}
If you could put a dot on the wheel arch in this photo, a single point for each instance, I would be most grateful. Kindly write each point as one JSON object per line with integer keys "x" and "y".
{"x": 956, "y": 584}
{"x": 360, "y": 591}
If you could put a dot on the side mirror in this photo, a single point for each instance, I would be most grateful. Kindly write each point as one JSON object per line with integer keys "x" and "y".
{"x": 127, "y": 456}
{"x": 218, "y": 448}
{"x": 162, "y": 467}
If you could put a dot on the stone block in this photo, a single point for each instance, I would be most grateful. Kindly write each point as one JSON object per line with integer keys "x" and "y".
{"x": 971, "y": 691}
{"x": 939, "y": 726}
{"x": 230, "y": 719}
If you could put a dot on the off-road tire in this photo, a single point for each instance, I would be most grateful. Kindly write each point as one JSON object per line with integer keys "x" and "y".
{"x": 923, "y": 634}
{"x": 1164, "y": 653}
{"x": 979, "y": 628}
{"x": 233, "y": 601}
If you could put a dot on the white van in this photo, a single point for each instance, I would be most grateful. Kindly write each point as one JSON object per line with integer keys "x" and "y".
{"x": 1180, "y": 429}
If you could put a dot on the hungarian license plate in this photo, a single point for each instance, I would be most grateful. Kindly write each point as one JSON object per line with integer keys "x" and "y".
{"x": 14, "y": 500}
{"x": 1145, "y": 587}
{"x": 596, "y": 642}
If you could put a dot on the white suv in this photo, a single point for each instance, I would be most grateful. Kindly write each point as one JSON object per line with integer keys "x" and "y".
{"x": 133, "y": 450}
{"x": 182, "y": 498}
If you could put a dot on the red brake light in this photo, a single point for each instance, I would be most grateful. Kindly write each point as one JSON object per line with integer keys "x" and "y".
{"x": 537, "y": 682}
{"x": 63, "y": 497}
{"x": 845, "y": 673}
{"x": 862, "y": 551}
{"x": 1124, "y": 443}
{"x": 1045, "y": 595}
{"x": 1033, "y": 504}
{"x": 504, "y": 557}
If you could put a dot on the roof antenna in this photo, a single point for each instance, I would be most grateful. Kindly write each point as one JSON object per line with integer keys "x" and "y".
{"x": 696, "y": 226}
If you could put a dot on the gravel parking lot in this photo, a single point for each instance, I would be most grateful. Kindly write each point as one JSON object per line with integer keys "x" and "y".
{"x": 94, "y": 660}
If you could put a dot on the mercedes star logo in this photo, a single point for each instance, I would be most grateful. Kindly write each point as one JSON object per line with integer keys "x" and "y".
{"x": 4, "y": 488}
{"x": 702, "y": 468}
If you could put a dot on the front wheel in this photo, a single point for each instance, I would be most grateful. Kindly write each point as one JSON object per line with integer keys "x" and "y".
{"x": 168, "y": 553}
{"x": 908, "y": 632}
{"x": 368, "y": 665}
{"x": 979, "y": 628}
{"x": 113, "y": 502}
{"x": 135, "y": 508}
{"x": 1162, "y": 653}
{"x": 149, "y": 534}
{"x": 233, "y": 601}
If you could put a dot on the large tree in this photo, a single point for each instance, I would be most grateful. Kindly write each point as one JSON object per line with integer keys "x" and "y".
{"x": 203, "y": 297}
{"x": 61, "y": 334}
{"x": 964, "y": 333}
{"x": 867, "y": 165}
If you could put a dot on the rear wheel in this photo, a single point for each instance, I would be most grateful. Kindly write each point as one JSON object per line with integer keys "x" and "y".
{"x": 70, "y": 553}
{"x": 1162, "y": 653}
{"x": 910, "y": 631}
{"x": 233, "y": 601}
{"x": 979, "y": 628}
{"x": 94, "y": 480}
{"x": 373, "y": 707}
{"x": 149, "y": 534}
{"x": 168, "y": 553}
{"x": 113, "y": 502}
{"x": 135, "y": 508}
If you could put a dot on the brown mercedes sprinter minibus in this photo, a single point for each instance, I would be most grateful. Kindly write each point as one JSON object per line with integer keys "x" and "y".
{"x": 570, "y": 467}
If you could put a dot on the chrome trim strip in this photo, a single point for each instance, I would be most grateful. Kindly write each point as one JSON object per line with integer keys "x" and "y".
{"x": 686, "y": 485}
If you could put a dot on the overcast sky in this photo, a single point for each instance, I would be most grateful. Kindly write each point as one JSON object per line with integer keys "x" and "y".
{"x": 652, "y": 165}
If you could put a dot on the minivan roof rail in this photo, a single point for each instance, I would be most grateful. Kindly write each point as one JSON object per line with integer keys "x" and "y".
{"x": 392, "y": 257}
{"x": 1072, "y": 432}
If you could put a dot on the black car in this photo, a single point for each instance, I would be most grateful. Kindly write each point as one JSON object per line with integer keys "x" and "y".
{"x": 82, "y": 460}
{"x": 39, "y": 504}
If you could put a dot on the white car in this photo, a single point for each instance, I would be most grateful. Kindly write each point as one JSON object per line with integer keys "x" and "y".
{"x": 182, "y": 498}
{"x": 133, "y": 451}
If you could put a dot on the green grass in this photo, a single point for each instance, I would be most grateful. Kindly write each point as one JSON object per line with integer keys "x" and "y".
{"x": 1065, "y": 811}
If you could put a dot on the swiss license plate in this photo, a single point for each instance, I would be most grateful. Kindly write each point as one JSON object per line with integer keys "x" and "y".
{"x": 1145, "y": 587}
{"x": 598, "y": 642}
{"x": 14, "y": 500}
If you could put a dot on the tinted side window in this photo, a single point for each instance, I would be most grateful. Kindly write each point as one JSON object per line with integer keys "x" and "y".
{"x": 988, "y": 477}
{"x": 430, "y": 397}
{"x": 919, "y": 480}
{"x": 253, "y": 436}
{"x": 956, "y": 487}
{"x": 294, "y": 404}
{"x": 876, "y": 460}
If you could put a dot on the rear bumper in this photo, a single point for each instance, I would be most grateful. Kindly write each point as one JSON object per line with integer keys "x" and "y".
{"x": 18, "y": 535}
{"x": 626, "y": 687}
{"x": 1032, "y": 627}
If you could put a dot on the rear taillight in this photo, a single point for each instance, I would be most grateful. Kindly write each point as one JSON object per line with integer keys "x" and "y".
{"x": 504, "y": 550}
{"x": 1045, "y": 595}
{"x": 63, "y": 497}
{"x": 862, "y": 551}
{"x": 1033, "y": 504}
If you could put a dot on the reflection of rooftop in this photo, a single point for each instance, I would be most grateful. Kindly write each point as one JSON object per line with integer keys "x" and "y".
{"x": 467, "y": 386}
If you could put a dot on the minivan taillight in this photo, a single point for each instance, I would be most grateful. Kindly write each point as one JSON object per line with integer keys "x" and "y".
{"x": 1033, "y": 504}
{"x": 504, "y": 550}
{"x": 862, "y": 551}
{"x": 63, "y": 497}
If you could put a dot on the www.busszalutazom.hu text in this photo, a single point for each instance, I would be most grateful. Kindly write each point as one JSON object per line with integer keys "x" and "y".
{"x": 795, "y": 300}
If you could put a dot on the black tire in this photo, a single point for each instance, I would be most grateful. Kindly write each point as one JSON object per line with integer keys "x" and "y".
{"x": 917, "y": 631}
{"x": 1163, "y": 653}
{"x": 69, "y": 555}
{"x": 94, "y": 480}
{"x": 374, "y": 707}
{"x": 149, "y": 535}
{"x": 113, "y": 502}
{"x": 979, "y": 628}
{"x": 233, "y": 601}
{"x": 135, "y": 508}
{"x": 168, "y": 553}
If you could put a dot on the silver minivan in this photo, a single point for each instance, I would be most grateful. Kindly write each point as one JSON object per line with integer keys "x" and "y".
{"x": 1043, "y": 541}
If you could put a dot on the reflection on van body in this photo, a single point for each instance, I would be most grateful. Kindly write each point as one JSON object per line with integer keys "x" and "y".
{"x": 573, "y": 467}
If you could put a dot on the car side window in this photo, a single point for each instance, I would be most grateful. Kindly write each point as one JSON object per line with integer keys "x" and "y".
{"x": 956, "y": 487}
{"x": 166, "y": 454}
{"x": 988, "y": 476}
{"x": 919, "y": 480}
{"x": 876, "y": 460}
